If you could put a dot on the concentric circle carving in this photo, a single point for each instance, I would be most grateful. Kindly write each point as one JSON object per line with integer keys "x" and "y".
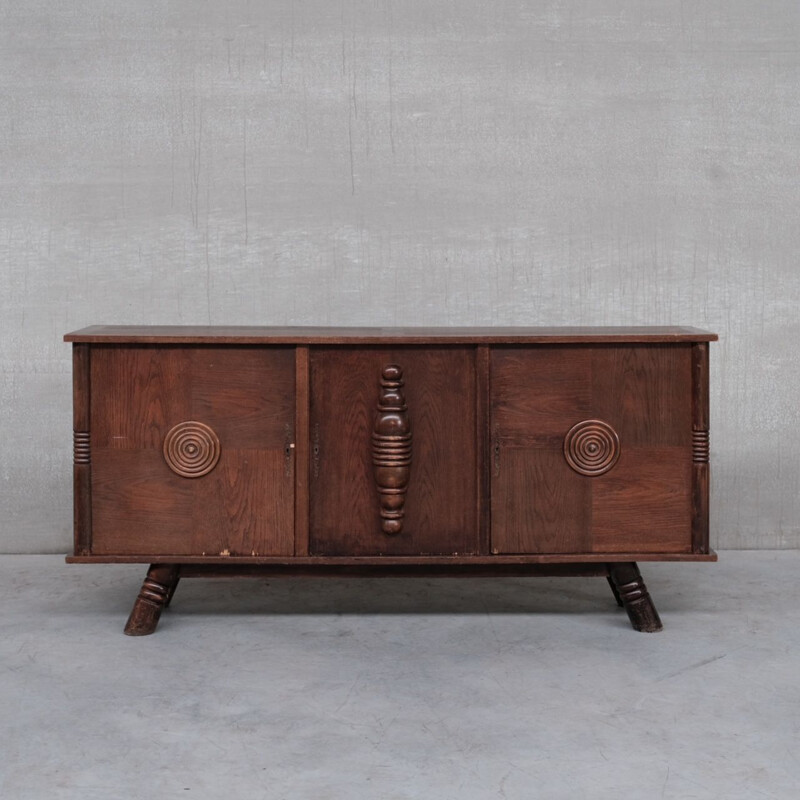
{"x": 591, "y": 447}
{"x": 191, "y": 449}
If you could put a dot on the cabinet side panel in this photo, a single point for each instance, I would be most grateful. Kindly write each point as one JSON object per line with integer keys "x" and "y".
{"x": 484, "y": 447}
{"x": 700, "y": 450}
{"x": 82, "y": 452}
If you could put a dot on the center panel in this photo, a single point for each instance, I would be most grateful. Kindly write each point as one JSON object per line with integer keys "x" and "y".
{"x": 436, "y": 496}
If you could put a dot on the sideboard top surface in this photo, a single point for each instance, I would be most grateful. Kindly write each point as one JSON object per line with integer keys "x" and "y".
{"x": 236, "y": 334}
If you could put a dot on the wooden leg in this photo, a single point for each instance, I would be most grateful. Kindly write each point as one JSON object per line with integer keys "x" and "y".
{"x": 636, "y": 600}
{"x": 153, "y": 596}
{"x": 614, "y": 590}
{"x": 173, "y": 587}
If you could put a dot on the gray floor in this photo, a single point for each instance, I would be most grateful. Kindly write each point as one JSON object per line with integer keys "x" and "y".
{"x": 480, "y": 688}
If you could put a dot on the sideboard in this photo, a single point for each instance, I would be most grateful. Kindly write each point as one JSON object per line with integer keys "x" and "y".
{"x": 206, "y": 451}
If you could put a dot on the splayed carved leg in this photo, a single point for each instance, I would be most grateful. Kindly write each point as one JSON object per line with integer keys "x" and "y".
{"x": 614, "y": 591}
{"x": 635, "y": 598}
{"x": 172, "y": 588}
{"x": 155, "y": 593}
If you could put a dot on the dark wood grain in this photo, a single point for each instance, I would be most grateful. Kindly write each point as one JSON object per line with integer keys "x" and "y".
{"x": 539, "y": 505}
{"x": 154, "y": 596}
{"x": 245, "y": 505}
{"x": 233, "y": 334}
{"x": 82, "y": 455}
{"x": 700, "y": 428}
{"x": 480, "y": 570}
{"x": 641, "y": 393}
{"x": 700, "y": 393}
{"x": 440, "y": 507}
{"x": 266, "y": 451}
{"x": 392, "y": 449}
{"x": 617, "y": 597}
{"x": 643, "y": 504}
{"x": 483, "y": 442}
{"x": 450, "y": 562}
{"x": 632, "y": 593}
{"x": 302, "y": 451}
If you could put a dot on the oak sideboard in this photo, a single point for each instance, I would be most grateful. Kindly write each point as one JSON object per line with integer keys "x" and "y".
{"x": 205, "y": 451}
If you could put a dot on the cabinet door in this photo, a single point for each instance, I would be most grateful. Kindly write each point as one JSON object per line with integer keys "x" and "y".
{"x": 592, "y": 449}
{"x": 361, "y": 477}
{"x": 190, "y": 450}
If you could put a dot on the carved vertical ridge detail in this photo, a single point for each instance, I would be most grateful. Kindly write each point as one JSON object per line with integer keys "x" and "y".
{"x": 391, "y": 449}
{"x": 82, "y": 448}
{"x": 700, "y": 447}
{"x": 82, "y": 467}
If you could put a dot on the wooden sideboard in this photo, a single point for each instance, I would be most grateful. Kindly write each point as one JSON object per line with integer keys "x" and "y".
{"x": 208, "y": 451}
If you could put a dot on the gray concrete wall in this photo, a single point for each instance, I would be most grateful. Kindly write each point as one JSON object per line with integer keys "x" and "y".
{"x": 461, "y": 162}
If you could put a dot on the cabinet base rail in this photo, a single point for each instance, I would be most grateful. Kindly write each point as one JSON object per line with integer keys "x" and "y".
{"x": 162, "y": 580}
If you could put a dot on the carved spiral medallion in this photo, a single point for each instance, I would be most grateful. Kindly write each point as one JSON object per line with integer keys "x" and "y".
{"x": 591, "y": 447}
{"x": 191, "y": 449}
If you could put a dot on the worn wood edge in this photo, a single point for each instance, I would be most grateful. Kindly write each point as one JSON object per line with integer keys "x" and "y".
{"x": 408, "y": 571}
{"x": 109, "y": 334}
{"x": 302, "y": 438}
{"x": 454, "y": 561}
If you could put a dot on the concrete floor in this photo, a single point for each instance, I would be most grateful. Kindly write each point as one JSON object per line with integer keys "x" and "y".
{"x": 310, "y": 689}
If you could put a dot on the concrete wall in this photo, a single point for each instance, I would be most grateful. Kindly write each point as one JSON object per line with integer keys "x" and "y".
{"x": 427, "y": 162}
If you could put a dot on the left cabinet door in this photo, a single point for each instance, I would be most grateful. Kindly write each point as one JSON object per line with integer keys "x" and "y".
{"x": 191, "y": 450}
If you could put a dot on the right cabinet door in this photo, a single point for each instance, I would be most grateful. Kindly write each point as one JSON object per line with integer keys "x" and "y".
{"x": 592, "y": 449}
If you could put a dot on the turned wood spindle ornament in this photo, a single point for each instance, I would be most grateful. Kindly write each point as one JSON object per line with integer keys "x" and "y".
{"x": 391, "y": 449}
{"x": 154, "y": 596}
{"x": 700, "y": 447}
